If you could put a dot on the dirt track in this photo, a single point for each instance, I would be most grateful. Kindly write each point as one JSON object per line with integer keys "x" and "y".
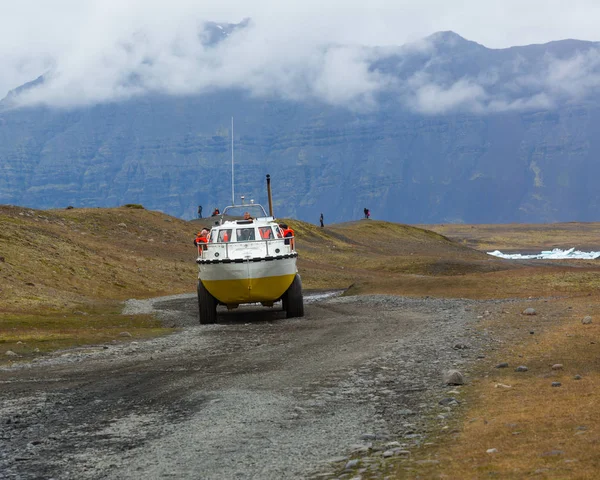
{"x": 255, "y": 396}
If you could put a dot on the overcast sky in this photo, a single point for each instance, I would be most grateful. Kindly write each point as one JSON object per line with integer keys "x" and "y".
{"x": 91, "y": 46}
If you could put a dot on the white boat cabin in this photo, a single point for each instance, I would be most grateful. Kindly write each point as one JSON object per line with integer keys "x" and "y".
{"x": 246, "y": 231}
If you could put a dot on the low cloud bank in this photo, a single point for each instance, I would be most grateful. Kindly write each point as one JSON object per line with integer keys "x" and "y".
{"x": 275, "y": 61}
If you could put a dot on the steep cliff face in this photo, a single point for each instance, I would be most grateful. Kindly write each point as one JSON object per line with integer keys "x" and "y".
{"x": 411, "y": 165}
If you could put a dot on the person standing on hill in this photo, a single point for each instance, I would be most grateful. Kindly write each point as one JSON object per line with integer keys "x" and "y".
{"x": 199, "y": 211}
{"x": 366, "y": 212}
{"x": 321, "y": 220}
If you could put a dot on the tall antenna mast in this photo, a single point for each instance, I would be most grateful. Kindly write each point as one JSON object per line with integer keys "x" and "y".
{"x": 232, "y": 187}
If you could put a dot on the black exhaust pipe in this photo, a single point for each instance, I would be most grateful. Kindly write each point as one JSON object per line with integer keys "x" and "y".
{"x": 270, "y": 196}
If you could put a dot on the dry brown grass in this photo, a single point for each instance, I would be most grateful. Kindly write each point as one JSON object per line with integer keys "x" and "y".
{"x": 381, "y": 257}
{"x": 372, "y": 255}
{"x": 523, "y": 237}
{"x": 539, "y": 431}
{"x": 61, "y": 259}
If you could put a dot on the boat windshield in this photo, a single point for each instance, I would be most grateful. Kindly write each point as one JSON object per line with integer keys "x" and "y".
{"x": 239, "y": 211}
{"x": 224, "y": 235}
{"x": 266, "y": 233}
{"x": 245, "y": 234}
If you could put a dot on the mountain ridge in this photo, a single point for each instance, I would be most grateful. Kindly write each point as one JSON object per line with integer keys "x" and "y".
{"x": 457, "y": 137}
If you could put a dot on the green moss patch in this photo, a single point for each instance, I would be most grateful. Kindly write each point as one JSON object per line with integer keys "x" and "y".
{"x": 30, "y": 336}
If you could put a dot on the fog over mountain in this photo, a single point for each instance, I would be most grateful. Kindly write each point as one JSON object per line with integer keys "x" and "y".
{"x": 92, "y": 47}
{"x": 441, "y": 129}
{"x": 438, "y": 74}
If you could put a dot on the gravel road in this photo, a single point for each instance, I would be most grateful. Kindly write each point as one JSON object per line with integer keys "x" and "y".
{"x": 256, "y": 396}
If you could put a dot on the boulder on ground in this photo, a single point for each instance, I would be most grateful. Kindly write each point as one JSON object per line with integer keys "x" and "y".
{"x": 454, "y": 377}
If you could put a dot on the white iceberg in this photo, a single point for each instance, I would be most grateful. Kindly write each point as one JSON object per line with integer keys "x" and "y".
{"x": 555, "y": 254}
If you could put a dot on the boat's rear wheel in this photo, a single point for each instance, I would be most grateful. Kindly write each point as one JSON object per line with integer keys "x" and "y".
{"x": 293, "y": 302}
{"x": 207, "y": 305}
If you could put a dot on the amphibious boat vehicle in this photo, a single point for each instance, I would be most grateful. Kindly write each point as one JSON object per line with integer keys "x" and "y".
{"x": 247, "y": 259}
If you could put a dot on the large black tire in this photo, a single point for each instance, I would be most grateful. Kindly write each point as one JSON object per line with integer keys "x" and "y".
{"x": 293, "y": 302}
{"x": 207, "y": 305}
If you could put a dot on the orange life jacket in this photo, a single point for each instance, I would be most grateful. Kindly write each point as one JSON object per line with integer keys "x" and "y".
{"x": 265, "y": 232}
{"x": 200, "y": 238}
{"x": 288, "y": 232}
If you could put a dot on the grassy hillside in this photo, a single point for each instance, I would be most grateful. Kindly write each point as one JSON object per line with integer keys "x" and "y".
{"x": 382, "y": 257}
{"x": 65, "y": 260}
{"x": 57, "y": 260}
{"x": 63, "y": 274}
{"x": 375, "y": 256}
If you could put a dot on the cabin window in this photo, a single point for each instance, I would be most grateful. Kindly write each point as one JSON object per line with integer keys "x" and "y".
{"x": 224, "y": 235}
{"x": 245, "y": 234}
{"x": 266, "y": 233}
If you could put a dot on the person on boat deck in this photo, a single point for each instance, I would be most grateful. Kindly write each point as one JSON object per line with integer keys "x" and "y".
{"x": 247, "y": 216}
{"x": 287, "y": 233}
{"x": 202, "y": 237}
{"x": 216, "y": 212}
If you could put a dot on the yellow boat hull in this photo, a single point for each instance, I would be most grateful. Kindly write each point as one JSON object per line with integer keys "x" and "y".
{"x": 248, "y": 281}
{"x": 250, "y": 290}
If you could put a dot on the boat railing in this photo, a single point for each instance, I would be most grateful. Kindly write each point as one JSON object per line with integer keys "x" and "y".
{"x": 272, "y": 247}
